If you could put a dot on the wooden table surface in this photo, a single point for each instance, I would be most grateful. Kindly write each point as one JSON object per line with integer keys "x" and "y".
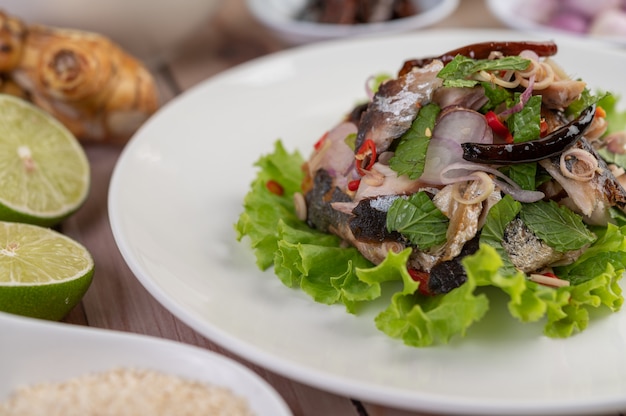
{"x": 116, "y": 300}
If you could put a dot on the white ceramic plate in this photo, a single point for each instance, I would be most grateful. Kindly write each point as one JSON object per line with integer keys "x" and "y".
{"x": 178, "y": 189}
{"x": 507, "y": 11}
{"x": 34, "y": 351}
{"x": 280, "y": 16}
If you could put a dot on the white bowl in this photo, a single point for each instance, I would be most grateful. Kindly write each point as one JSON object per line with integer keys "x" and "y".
{"x": 148, "y": 29}
{"x": 507, "y": 11}
{"x": 34, "y": 351}
{"x": 281, "y": 17}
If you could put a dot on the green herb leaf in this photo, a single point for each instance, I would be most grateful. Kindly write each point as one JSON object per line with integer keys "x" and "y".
{"x": 557, "y": 226}
{"x": 418, "y": 219}
{"x": 457, "y": 72}
{"x": 499, "y": 216}
{"x": 375, "y": 81}
{"x": 585, "y": 99}
{"x": 525, "y": 125}
{"x": 410, "y": 155}
{"x": 615, "y": 117}
{"x": 523, "y": 174}
{"x": 496, "y": 95}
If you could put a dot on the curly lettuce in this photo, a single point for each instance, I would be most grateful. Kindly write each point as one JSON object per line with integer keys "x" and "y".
{"x": 330, "y": 273}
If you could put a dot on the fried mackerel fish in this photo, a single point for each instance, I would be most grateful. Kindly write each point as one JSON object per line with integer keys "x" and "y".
{"x": 367, "y": 171}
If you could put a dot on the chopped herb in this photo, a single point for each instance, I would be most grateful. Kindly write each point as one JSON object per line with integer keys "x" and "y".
{"x": 525, "y": 125}
{"x": 499, "y": 216}
{"x": 557, "y": 226}
{"x": 419, "y": 220}
{"x": 410, "y": 155}
{"x": 458, "y": 72}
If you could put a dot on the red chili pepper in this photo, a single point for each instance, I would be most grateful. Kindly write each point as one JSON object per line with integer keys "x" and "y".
{"x": 354, "y": 185}
{"x": 543, "y": 128}
{"x": 498, "y": 126}
{"x": 366, "y": 156}
{"x": 318, "y": 144}
{"x": 274, "y": 187}
{"x": 422, "y": 278}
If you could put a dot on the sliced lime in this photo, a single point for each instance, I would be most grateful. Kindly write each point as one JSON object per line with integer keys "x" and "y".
{"x": 43, "y": 274}
{"x": 44, "y": 172}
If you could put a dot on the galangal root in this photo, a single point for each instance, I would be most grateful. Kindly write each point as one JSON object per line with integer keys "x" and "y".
{"x": 92, "y": 86}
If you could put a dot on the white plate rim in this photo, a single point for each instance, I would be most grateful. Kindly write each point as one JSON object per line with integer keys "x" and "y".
{"x": 347, "y": 387}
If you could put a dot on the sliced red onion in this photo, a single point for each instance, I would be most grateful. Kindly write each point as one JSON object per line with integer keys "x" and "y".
{"x": 454, "y": 126}
{"x": 523, "y": 99}
{"x": 464, "y": 171}
{"x": 519, "y": 194}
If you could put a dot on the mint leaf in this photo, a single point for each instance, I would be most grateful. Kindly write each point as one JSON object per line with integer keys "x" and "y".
{"x": 525, "y": 125}
{"x": 523, "y": 174}
{"x": 418, "y": 219}
{"x": 499, "y": 216}
{"x": 410, "y": 155}
{"x": 420, "y": 321}
{"x": 557, "y": 226}
{"x": 609, "y": 248}
{"x": 457, "y": 72}
{"x": 496, "y": 95}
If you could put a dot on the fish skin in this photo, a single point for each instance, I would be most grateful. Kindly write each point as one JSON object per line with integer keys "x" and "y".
{"x": 451, "y": 274}
{"x": 396, "y": 104}
{"x": 526, "y": 251}
{"x": 320, "y": 213}
{"x": 369, "y": 221}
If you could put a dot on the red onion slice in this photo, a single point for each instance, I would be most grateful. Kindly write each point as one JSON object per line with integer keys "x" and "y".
{"x": 454, "y": 126}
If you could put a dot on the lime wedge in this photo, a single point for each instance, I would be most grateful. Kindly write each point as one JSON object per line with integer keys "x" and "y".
{"x": 44, "y": 172}
{"x": 43, "y": 274}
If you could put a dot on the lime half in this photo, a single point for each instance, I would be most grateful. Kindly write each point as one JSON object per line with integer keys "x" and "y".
{"x": 43, "y": 274}
{"x": 44, "y": 172}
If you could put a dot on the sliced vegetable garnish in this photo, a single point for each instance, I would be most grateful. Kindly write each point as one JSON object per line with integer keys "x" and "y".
{"x": 365, "y": 157}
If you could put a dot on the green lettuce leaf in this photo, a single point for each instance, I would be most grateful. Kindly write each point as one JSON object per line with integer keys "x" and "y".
{"x": 334, "y": 280}
{"x": 263, "y": 209}
{"x": 321, "y": 266}
{"x": 420, "y": 321}
{"x": 564, "y": 309}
